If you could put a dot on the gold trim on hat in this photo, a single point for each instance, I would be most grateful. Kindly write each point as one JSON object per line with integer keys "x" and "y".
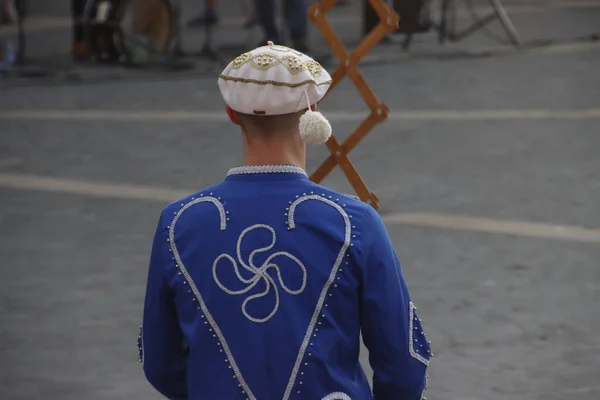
{"x": 274, "y": 83}
{"x": 266, "y": 61}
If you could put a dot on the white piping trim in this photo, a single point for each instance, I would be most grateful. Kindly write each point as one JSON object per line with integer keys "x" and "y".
{"x": 141, "y": 345}
{"x": 266, "y": 169}
{"x": 411, "y": 317}
{"x": 330, "y": 280}
{"x": 190, "y": 281}
{"x": 337, "y": 396}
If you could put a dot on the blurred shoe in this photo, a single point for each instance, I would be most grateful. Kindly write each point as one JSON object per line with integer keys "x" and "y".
{"x": 210, "y": 17}
{"x": 79, "y": 52}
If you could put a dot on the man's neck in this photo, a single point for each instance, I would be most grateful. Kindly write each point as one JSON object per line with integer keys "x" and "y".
{"x": 275, "y": 153}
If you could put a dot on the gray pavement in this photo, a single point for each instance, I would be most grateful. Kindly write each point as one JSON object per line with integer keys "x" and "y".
{"x": 510, "y": 317}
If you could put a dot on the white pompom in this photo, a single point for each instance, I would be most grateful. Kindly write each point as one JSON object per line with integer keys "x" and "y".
{"x": 314, "y": 127}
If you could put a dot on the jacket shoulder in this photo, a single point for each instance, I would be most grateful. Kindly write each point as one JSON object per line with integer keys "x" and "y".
{"x": 353, "y": 204}
{"x": 176, "y": 205}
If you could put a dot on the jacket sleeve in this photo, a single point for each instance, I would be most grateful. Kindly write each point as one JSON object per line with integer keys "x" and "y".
{"x": 399, "y": 352}
{"x": 160, "y": 342}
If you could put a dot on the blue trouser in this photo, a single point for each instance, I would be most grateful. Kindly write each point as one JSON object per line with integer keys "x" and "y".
{"x": 295, "y": 13}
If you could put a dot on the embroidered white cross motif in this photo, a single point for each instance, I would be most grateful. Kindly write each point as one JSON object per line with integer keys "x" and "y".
{"x": 259, "y": 273}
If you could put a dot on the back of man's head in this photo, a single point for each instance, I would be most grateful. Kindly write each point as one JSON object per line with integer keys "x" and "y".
{"x": 269, "y": 89}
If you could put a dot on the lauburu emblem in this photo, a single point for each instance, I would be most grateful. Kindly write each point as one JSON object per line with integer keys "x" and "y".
{"x": 258, "y": 273}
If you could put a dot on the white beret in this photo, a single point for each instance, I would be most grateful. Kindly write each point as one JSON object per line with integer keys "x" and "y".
{"x": 273, "y": 80}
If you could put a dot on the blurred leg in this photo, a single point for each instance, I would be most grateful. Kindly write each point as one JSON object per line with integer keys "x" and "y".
{"x": 79, "y": 50}
{"x": 252, "y": 18}
{"x": 209, "y": 16}
{"x": 296, "y": 18}
{"x": 266, "y": 11}
{"x": 77, "y": 8}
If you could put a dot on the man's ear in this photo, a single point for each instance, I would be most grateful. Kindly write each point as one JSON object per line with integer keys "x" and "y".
{"x": 233, "y": 116}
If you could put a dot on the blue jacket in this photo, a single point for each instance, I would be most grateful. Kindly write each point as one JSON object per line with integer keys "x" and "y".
{"x": 259, "y": 287}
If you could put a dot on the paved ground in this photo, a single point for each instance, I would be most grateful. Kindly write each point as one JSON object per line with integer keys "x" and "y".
{"x": 488, "y": 172}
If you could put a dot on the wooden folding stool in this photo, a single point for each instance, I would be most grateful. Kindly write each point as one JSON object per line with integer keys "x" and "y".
{"x": 348, "y": 65}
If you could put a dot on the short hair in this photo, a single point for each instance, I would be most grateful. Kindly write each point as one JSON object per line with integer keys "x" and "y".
{"x": 269, "y": 124}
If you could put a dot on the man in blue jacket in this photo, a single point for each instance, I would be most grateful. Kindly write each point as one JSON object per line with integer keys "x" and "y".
{"x": 259, "y": 286}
